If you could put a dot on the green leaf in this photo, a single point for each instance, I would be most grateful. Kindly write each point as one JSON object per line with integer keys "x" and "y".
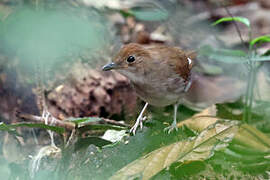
{"x": 103, "y": 127}
{"x": 81, "y": 121}
{"x": 248, "y": 145}
{"x": 238, "y": 19}
{"x": 224, "y": 55}
{"x": 231, "y": 52}
{"x": 11, "y": 127}
{"x": 202, "y": 147}
{"x": 125, "y": 14}
{"x": 210, "y": 69}
{"x": 267, "y": 53}
{"x": 91, "y": 123}
{"x": 149, "y": 13}
{"x": 261, "y": 39}
{"x": 85, "y": 142}
{"x": 112, "y": 158}
{"x": 4, "y": 127}
{"x": 252, "y": 138}
{"x": 260, "y": 58}
{"x": 228, "y": 59}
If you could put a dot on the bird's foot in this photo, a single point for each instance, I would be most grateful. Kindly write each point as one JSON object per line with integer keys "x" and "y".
{"x": 139, "y": 122}
{"x": 170, "y": 128}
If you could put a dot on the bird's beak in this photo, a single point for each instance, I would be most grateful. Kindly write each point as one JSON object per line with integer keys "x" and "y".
{"x": 109, "y": 66}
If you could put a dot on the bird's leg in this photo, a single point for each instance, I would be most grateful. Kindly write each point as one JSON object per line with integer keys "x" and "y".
{"x": 174, "y": 124}
{"x": 139, "y": 120}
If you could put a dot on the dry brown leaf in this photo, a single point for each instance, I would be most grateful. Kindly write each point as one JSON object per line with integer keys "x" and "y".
{"x": 202, "y": 120}
{"x": 247, "y": 135}
{"x": 196, "y": 149}
{"x": 214, "y": 134}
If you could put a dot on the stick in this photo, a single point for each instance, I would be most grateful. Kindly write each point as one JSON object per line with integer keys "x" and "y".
{"x": 51, "y": 120}
{"x": 65, "y": 124}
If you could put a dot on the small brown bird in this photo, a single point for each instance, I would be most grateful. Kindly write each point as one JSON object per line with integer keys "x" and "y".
{"x": 159, "y": 74}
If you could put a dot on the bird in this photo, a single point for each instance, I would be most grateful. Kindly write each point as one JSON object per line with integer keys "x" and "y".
{"x": 160, "y": 75}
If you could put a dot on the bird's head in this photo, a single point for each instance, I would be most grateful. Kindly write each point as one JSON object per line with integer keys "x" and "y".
{"x": 129, "y": 61}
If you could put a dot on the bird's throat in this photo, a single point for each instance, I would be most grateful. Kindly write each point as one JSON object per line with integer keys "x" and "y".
{"x": 135, "y": 78}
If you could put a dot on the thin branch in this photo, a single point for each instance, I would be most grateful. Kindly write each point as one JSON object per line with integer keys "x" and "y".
{"x": 113, "y": 122}
{"x": 65, "y": 124}
{"x": 70, "y": 139}
{"x": 252, "y": 6}
{"x": 52, "y": 120}
{"x": 236, "y": 27}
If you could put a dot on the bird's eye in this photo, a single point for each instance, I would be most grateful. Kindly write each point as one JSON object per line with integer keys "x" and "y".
{"x": 130, "y": 59}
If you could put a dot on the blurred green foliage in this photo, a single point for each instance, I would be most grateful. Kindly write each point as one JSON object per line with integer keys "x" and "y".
{"x": 149, "y": 14}
{"x": 52, "y": 36}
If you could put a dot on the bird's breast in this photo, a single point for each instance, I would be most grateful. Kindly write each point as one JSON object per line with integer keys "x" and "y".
{"x": 160, "y": 92}
{"x": 159, "y": 87}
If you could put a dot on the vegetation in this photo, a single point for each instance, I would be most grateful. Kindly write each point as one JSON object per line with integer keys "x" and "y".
{"x": 225, "y": 140}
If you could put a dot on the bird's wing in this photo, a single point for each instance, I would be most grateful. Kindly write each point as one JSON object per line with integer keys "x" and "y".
{"x": 180, "y": 62}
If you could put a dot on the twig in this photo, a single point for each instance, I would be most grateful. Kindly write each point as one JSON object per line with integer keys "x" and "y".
{"x": 70, "y": 138}
{"x": 55, "y": 121}
{"x": 236, "y": 27}
{"x": 65, "y": 124}
{"x": 252, "y": 6}
{"x": 113, "y": 122}
{"x": 251, "y": 76}
{"x": 103, "y": 121}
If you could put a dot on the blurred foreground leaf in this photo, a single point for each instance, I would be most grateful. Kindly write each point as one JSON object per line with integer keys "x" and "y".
{"x": 260, "y": 58}
{"x": 48, "y": 38}
{"x": 229, "y": 55}
{"x": 50, "y": 34}
{"x": 149, "y": 13}
{"x": 12, "y": 149}
{"x": 223, "y": 55}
